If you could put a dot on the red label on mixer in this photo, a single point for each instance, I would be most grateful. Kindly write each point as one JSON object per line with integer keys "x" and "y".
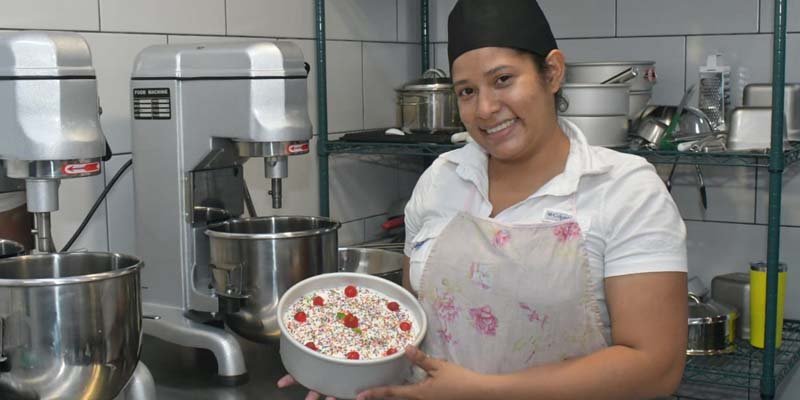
{"x": 82, "y": 168}
{"x": 297, "y": 148}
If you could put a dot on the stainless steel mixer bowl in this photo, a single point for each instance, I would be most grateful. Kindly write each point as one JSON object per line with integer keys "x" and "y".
{"x": 377, "y": 262}
{"x": 10, "y": 248}
{"x": 255, "y": 260}
{"x": 70, "y": 325}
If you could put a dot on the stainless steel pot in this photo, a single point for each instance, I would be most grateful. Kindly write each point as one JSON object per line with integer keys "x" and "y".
{"x": 588, "y": 99}
{"x": 10, "y": 248}
{"x": 428, "y": 105}
{"x": 598, "y": 72}
{"x": 70, "y": 325}
{"x": 381, "y": 263}
{"x": 712, "y": 327}
{"x": 255, "y": 260}
{"x": 608, "y": 131}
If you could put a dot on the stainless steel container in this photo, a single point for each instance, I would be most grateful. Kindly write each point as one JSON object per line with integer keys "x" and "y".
{"x": 10, "y": 248}
{"x": 734, "y": 289}
{"x": 598, "y": 72}
{"x": 588, "y": 99}
{"x": 760, "y": 95}
{"x": 255, "y": 260}
{"x": 70, "y": 325}
{"x": 428, "y": 105}
{"x": 377, "y": 262}
{"x": 751, "y": 128}
{"x": 712, "y": 327}
{"x": 608, "y": 131}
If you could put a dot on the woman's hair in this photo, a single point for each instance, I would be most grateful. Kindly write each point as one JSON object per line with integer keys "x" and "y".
{"x": 544, "y": 69}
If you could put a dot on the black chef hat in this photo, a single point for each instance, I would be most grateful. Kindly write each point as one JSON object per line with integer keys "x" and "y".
{"x": 518, "y": 24}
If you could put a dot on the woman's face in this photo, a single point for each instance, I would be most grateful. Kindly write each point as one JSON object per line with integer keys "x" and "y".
{"x": 505, "y": 102}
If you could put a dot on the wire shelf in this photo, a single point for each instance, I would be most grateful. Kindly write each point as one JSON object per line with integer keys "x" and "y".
{"x": 738, "y": 375}
{"x": 735, "y": 159}
{"x": 404, "y": 149}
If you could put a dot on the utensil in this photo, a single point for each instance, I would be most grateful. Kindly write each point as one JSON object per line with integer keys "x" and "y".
{"x": 666, "y": 141}
{"x": 338, "y": 377}
{"x": 255, "y": 260}
{"x": 381, "y": 263}
{"x": 10, "y": 248}
{"x": 712, "y": 327}
{"x": 701, "y": 184}
{"x": 428, "y": 105}
{"x": 622, "y": 77}
{"x": 598, "y": 72}
{"x": 71, "y": 324}
{"x": 760, "y": 95}
{"x": 734, "y": 289}
{"x": 593, "y": 99}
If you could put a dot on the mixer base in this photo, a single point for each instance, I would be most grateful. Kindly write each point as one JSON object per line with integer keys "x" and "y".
{"x": 168, "y": 323}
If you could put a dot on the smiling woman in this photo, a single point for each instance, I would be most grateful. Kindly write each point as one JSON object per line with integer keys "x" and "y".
{"x": 531, "y": 251}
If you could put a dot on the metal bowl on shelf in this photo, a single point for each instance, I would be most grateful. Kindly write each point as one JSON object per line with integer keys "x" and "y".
{"x": 10, "y": 248}
{"x": 712, "y": 328}
{"x": 377, "y": 262}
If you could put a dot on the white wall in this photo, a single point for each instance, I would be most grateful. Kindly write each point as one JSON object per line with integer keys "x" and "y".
{"x": 372, "y": 48}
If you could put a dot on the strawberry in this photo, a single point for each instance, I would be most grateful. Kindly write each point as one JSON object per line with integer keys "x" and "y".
{"x": 350, "y": 291}
{"x": 312, "y": 346}
{"x": 353, "y": 355}
{"x": 391, "y": 351}
{"x": 393, "y": 306}
{"x": 300, "y": 316}
{"x": 405, "y": 326}
{"x": 319, "y": 301}
{"x": 350, "y": 321}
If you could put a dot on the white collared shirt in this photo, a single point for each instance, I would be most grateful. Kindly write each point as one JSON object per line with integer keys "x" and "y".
{"x": 630, "y": 222}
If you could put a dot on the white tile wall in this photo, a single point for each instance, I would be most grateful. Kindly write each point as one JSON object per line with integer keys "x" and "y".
{"x": 113, "y": 56}
{"x": 360, "y": 189}
{"x": 768, "y": 15}
{"x": 387, "y": 66}
{"x": 580, "y": 18}
{"x": 790, "y": 209}
{"x": 271, "y": 18}
{"x": 120, "y": 209}
{"x": 361, "y": 19}
{"x": 50, "y": 14}
{"x": 346, "y": 84}
{"x": 163, "y": 16}
{"x": 440, "y": 59}
{"x": 679, "y": 17}
{"x": 750, "y": 58}
{"x": 667, "y": 52}
{"x": 730, "y": 193}
{"x": 408, "y": 21}
{"x": 351, "y": 233}
{"x": 439, "y": 10}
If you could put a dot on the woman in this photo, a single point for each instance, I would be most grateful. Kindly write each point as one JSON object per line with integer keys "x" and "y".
{"x": 548, "y": 268}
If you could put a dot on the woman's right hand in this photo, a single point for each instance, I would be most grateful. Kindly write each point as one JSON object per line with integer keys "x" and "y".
{"x": 288, "y": 380}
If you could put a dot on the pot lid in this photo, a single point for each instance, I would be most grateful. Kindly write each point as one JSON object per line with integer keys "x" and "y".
{"x": 432, "y": 79}
{"x": 709, "y": 312}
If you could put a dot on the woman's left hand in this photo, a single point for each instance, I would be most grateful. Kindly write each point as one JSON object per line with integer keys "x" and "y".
{"x": 445, "y": 381}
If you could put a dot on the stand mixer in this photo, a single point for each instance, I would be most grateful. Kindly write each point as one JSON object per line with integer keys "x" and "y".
{"x": 199, "y": 112}
{"x": 49, "y": 130}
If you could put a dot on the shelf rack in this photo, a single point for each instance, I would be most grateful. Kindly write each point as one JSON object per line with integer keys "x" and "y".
{"x": 748, "y": 369}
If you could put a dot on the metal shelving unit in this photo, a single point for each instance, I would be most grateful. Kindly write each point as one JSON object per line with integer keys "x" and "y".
{"x": 748, "y": 371}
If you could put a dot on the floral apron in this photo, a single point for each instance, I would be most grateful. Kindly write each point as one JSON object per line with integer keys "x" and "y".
{"x": 502, "y": 298}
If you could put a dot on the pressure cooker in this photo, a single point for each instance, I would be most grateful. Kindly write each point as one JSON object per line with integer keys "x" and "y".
{"x": 428, "y": 105}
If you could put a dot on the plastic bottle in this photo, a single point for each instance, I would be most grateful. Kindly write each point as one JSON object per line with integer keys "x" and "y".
{"x": 715, "y": 91}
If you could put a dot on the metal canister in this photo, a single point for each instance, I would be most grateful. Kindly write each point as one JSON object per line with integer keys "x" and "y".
{"x": 758, "y": 301}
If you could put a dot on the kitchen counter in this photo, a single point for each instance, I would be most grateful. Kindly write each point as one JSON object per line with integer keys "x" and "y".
{"x": 183, "y": 373}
